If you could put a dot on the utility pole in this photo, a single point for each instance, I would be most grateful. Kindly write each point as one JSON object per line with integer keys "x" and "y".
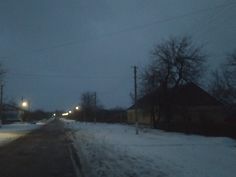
{"x": 1, "y": 106}
{"x": 2, "y": 94}
{"x": 135, "y": 100}
{"x": 95, "y": 107}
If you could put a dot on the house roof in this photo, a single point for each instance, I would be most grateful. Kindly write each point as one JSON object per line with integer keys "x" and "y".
{"x": 10, "y": 113}
{"x": 9, "y": 107}
{"x": 192, "y": 95}
{"x": 186, "y": 95}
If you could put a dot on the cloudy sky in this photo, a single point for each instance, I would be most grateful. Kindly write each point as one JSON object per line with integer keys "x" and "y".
{"x": 54, "y": 50}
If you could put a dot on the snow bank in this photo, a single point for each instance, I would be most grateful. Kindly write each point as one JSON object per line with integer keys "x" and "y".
{"x": 114, "y": 150}
{"x": 45, "y": 121}
{"x": 11, "y": 132}
{"x": 67, "y": 120}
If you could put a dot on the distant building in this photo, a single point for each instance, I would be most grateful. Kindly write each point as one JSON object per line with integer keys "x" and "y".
{"x": 187, "y": 105}
{"x": 10, "y": 114}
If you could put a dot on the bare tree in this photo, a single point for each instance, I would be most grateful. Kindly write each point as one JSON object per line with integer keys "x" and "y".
{"x": 219, "y": 87}
{"x": 87, "y": 100}
{"x": 90, "y": 105}
{"x": 174, "y": 62}
{"x": 230, "y": 69}
{"x": 223, "y": 81}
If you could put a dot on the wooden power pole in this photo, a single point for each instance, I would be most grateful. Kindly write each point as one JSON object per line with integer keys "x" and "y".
{"x": 1, "y": 104}
{"x": 1, "y": 94}
{"x": 95, "y": 107}
{"x": 135, "y": 100}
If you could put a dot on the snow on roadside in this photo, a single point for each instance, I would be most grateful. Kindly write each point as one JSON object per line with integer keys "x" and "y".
{"x": 67, "y": 120}
{"x": 45, "y": 121}
{"x": 10, "y": 132}
{"x": 113, "y": 150}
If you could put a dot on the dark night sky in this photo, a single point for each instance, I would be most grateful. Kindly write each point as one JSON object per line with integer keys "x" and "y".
{"x": 54, "y": 50}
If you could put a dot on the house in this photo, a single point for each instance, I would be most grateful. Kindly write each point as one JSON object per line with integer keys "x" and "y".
{"x": 231, "y": 113}
{"x": 10, "y": 114}
{"x": 185, "y": 106}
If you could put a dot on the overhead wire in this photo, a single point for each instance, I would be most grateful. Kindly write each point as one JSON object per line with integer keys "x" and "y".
{"x": 132, "y": 28}
{"x": 211, "y": 21}
{"x": 40, "y": 75}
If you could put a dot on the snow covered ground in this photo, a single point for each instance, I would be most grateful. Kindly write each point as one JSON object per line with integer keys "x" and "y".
{"x": 113, "y": 150}
{"x": 10, "y": 132}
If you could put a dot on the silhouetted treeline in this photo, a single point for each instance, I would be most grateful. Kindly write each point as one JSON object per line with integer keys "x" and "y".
{"x": 101, "y": 115}
{"x": 35, "y": 115}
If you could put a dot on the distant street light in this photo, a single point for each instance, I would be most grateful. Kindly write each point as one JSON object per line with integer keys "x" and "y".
{"x": 77, "y": 108}
{"x": 70, "y": 112}
{"x": 65, "y": 114}
{"x": 25, "y": 104}
{"x": 24, "y": 108}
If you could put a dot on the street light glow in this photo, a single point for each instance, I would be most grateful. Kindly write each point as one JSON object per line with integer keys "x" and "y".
{"x": 24, "y": 104}
{"x": 70, "y": 112}
{"x": 65, "y": 114}
{"x": 77, "y": 107}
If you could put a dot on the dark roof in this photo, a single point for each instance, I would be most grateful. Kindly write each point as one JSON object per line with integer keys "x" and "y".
{"x": 192, "y": 95}
{"x": 186, "y": 95}
{"x": 9, "y": 107}
{"x": 10, "y": 113}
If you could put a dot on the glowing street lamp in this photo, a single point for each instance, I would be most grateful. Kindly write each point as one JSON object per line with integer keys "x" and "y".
{"x": 24, "y": 107}
{"x": 77, "y": 108}
{"x": 70, "y": 112}
{"x": 25, "y": 104}
{"x": 65, "y": 114}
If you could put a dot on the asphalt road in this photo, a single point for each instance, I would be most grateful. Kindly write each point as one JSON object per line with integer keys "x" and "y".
{"x": 43, "y": 153}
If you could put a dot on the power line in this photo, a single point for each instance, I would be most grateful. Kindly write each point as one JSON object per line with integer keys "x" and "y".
{"x": 134, "y": 28}
{"x": 62, "y": 75}
{"x": 213, "y": 19}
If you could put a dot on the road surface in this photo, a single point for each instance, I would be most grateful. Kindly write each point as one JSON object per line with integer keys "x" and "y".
{"x": 43, "y": 153}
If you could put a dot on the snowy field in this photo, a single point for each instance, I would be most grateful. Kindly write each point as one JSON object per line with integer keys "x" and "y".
{"x": 113, "y": 150}
{"x": 10, "y": 132}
